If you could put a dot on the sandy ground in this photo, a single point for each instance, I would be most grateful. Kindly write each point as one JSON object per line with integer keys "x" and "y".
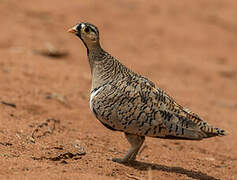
{"x": 188, "y": 48}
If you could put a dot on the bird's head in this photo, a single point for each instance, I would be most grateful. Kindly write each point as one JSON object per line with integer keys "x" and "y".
{"x": 87, "y": 32}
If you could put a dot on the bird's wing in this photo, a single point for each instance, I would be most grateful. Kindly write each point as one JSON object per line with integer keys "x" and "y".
{"x": 187, "y": 118}
{"x": 136, "y": 106}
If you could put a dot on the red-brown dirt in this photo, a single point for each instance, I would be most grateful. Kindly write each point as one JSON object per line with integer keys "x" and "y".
{"x": 188, "y": 48}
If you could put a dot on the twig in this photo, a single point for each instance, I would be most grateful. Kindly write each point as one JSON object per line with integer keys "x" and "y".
{"x": 8, "y": 104}
{"x": 67, "y": 155}
{"x": 42, "y": 125}
{"x": 5, "y": 144}
{"x": 133, "y": 177}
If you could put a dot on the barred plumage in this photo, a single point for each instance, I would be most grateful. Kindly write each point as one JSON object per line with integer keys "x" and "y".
{"x": 125, "y": 101}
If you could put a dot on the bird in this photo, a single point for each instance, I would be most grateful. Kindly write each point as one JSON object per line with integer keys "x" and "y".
{"x": 125, "y": 101}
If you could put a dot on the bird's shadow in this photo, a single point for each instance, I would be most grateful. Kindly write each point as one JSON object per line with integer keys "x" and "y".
{"x": 142, "y": 166}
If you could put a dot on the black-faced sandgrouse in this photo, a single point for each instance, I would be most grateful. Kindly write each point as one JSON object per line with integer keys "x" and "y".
{"x": 128, "y": 102}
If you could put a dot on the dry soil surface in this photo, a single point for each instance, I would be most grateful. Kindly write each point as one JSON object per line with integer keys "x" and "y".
{"x": 188, "y": 48}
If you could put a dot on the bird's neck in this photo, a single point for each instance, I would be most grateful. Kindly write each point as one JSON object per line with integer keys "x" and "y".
{"x": 92, "y": 47}
{"x": 104, "y": 67}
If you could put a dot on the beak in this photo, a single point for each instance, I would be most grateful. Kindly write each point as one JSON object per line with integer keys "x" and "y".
{"x": 72, "y": 30}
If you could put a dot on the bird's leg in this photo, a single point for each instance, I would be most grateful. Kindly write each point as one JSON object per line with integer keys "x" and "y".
{"x": 136, "y": 142}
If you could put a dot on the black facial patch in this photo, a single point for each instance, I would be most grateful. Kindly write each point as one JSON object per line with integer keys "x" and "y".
{"x": 78, "y": 31}
{"x": 79, "y": 28}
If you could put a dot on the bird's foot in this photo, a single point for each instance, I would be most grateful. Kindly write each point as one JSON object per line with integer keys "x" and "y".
{"x": 125, "y": 159}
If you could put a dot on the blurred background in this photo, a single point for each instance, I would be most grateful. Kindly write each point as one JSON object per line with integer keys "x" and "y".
{"x": 188, "y": 48}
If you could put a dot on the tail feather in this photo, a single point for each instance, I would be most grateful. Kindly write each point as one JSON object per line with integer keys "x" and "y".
{"x": 206, "y": 128}
{"x": 183, "y": 127}
{"x": 210, "y": 130}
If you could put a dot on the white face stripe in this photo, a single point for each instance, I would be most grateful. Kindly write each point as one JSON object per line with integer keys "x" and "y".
{"x": 92, "y": 27}
{"x": 75, "y": 28}
{"x": 82, "y": 25}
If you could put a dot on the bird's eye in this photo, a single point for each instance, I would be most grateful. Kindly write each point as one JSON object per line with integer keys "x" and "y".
{"x": 87, "y": 30}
